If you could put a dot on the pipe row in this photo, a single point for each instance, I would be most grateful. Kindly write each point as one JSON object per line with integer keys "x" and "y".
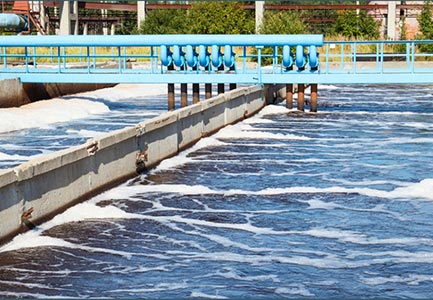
{"x": 203, "y": 57}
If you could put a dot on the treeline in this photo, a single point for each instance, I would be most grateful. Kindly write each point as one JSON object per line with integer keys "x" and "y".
{"x": 229, "y": 18}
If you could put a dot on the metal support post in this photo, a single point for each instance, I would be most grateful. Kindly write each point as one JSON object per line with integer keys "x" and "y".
{"x": 208, "y": 90}
{"x": 301, "y": 96}
{"x": 195, "y": 93}
{"x": 313, "y": 100}
{"x": 170, "y": 90}
{"x": 232, "y": 86}
{"x": 183, "y": 95}
{"x": 289, "y": 96}
{"x": 221, "y": 85}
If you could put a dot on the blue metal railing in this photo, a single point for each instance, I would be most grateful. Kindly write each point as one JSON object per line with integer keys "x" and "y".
{"x": 249, "y": 59}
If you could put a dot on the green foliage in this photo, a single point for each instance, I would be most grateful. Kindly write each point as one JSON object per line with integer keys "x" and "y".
{"x": 219, "y": 18}
{"x": 353, "y": 25}
{"x": 425, "y": 21}
{"x": 201, "y": 18}
{"x": 281, "y": 22}
{"x": 164, "y": 21}
{"x": 425, "y": 27}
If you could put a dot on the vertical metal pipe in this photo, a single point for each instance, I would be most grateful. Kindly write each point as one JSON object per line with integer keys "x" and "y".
{"x": 289, "y": 96}
{"x": 221, "y": 85}
{"x": 313, "y": 99}
{"x": 301, "y": 96}
{"x": 195, "y": 93}
{"x": 208, "y": 90}
{"x": 170, "y": 90}
{"x": 195, "y": 89}
{"x": 232, "y": 86}
{"x": 183, "y": 95}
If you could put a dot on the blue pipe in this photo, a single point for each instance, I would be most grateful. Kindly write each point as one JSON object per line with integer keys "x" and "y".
{"x": 229, "y": 56}
{"x": 13, "y": 21}
{"x": 178, "y": 56}
{"x": 287, "y": 57}
{"x": 216, "y": 56}
{"x": 313, "y": 57}
{"x": 167, "y": 40}
{"x": 300, "y": 57}
{"x": 203, "y": 55}
{"x": 191, "y": 56}
{"x": 166, "y": 56}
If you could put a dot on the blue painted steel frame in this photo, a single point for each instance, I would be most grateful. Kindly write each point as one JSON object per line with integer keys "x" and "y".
{"x": 295, "y": 59}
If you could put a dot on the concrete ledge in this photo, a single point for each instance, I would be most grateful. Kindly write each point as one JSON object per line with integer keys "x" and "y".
{"x": 14, "y": 93}
{"x": 51, "y": 183}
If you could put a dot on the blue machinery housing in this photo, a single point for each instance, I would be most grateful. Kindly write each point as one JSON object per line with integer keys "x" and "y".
{"x": 13, "y": 21}
{"x": 243, "y": 59}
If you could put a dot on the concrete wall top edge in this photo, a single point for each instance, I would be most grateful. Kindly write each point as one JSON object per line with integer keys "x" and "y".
{"x": 51, "y": 161}
{"x": 113, "y": 137}
{"x": 7, "y": 177}
{"x": 213, "y": 101}
{"x": 157, "y": 122}
{"x": 253, "y": 88}
{"x": 235, "y": 93}
{"x": 190, "y": 110}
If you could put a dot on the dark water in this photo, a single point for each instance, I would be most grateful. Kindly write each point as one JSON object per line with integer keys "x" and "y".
{"x": 330, "y": 205}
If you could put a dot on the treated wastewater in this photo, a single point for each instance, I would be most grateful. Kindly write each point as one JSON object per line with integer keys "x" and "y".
{"x": 337, "y": 204}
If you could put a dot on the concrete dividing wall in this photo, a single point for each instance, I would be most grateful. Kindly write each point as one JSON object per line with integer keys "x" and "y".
{"x": 50, "y": 183}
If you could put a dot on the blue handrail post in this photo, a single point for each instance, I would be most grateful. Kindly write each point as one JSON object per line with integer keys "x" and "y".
{"x": 327, "y": 59}
{"x": 59, "y": 60}
{"x": 119, "y": 59}
{"x": 413, "y": 58}
{"x": 408, "y": 55}
{"x": 4, "y": 58}
{"x": 354, "y": 50}
{"x": 26, "y": 57}
{"x": 34, "y": 58}
{"x": 382, "y": 57}
{"x": 88, "y": 59}
{"x": 259, "y": 63}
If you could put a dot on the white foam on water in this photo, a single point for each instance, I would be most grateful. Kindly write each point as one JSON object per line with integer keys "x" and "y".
{"x": 328, "y": 87}
{"x": 244, "y": 131}
{"x": 125, "y": 91}
{"x": 257, "y": 120}
{"x": 201, "y": 295}
{"x": 274, "y": 110}
{"x": 294, "y": 289}
{"x": 5, "y": 156}
{"x": 84, "y": 133}
{"x": 79, "y": 212}
{"x": 42, "y": 113}
{"x": 183, "y": 158}
{"x": 346, "y": 236}
{"x": 161, "y": 287}
{"x": 421, "y": 191}
{"x": 411, "y": 279}
{"x": 235, "y": 226}
{"x": 418, "y": 190}
{"x": 230, "y": 273}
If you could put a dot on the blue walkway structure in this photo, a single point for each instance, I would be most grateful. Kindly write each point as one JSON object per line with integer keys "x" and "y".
{"x": 212, "y": 59}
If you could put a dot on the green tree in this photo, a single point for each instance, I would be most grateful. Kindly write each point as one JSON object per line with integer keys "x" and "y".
{"x": 281, "y": 22}
{"x": 219, "y": 18}
{"x": 425, "y": 27}
{"x": 164, "y": 21}
{"x": 353, "y": 25}
{"x": 425, "y": 21}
